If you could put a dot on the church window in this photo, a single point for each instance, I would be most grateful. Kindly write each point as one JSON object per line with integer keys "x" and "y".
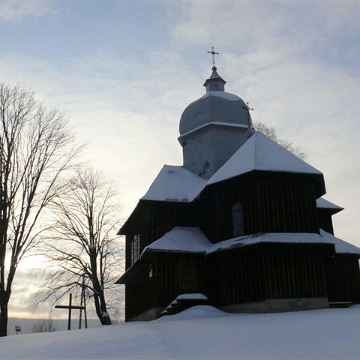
{"x": 135, "y": 248}
{"x": 238, "y": 220}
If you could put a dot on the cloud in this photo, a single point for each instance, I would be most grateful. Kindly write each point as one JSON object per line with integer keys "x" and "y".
{"x": 17, "y": 11}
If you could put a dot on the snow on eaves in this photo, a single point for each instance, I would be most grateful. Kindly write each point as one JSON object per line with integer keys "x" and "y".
{"x": 193, "y": 240}
{"x": 262, "y": 154}
{"x": 341, "y": 246}
{"x": 214, "y": 123}
{"x": 322, "y": 203}
{"x": 175, "y": 183}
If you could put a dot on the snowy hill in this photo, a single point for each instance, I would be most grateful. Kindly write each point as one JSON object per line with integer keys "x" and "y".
{"x": 203, "y": 332}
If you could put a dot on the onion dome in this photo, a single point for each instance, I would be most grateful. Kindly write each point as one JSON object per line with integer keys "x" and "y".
{"x": 215, "y": 107}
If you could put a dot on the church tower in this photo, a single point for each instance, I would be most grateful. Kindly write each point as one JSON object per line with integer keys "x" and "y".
{"x": 213, "y": 127}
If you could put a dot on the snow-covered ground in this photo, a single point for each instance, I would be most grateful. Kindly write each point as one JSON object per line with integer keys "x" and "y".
{"x": 203, "y": 332}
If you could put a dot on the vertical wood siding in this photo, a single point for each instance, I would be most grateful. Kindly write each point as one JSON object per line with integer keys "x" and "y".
{"x": 343, "y": 279}
{"x": 262, "y": 272}
{"x": 276, "y": 203}
{"x": 168, "y": 280}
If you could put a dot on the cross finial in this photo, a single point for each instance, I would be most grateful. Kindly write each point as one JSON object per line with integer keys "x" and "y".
{"x": 247, "y": 106}
{"x": 213, "y": 53}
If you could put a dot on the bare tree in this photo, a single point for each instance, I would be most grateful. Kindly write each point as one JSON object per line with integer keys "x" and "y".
{"x": 84, "y": 245}
{"x": 35, "y": 150}
{"x": 44, "y": 325}
{"x": 272, "y": 134}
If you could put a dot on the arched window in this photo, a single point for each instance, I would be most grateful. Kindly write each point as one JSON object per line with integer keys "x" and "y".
{"x": 238, "y": 220}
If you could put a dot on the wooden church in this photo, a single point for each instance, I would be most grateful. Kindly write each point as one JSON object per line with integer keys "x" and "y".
{"x": 241, "y": 225}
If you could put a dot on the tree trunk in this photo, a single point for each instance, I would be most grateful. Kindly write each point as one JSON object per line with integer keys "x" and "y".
{"x": 101, "y": 311}
{"x": 3, "y": 319}
{"x": 4, "y": 300}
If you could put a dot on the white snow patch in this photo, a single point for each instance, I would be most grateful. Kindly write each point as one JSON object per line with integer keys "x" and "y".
{"x": 175, "y": 184}
{"x": 223, "y": 95}
{"x": 203, "y": 332}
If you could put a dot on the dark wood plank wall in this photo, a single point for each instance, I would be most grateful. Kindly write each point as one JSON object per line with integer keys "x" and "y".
{"x": 161, "y": 217}
{"x": 177, "y": 274}
{"x": 170, "y": 277}
{"x": 156, "y": 219}
{"x": 325, "y": 221}
{"x": 137, "y": 295}
{"x": 281, "y": 203}
{"x": 262, "y": 272}
{"x": 343, "y": 279}
{"x": 234, "y": 277}
{"x": 295, "y": 271}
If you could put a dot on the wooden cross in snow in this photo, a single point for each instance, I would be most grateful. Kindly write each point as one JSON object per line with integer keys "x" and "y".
{"x": 70, "y": 307}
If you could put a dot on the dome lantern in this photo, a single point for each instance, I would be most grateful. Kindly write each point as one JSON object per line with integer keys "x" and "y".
{"x": 215, "y": 82}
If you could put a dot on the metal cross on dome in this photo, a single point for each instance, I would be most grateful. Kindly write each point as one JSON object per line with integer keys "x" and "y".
{"x": 213, "y": 53}
{"x": 247, "y": 106}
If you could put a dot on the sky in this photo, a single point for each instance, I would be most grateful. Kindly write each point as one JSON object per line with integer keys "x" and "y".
{"x": 202, "y": 332}
{"x": 124, "y": 71}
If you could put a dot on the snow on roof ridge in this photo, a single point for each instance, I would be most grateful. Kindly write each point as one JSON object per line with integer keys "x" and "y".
{"x": 261, "y": 153}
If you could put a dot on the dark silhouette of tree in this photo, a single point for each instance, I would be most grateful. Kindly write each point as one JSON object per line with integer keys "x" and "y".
{"x": 83, "y": 244}
{"x": 35, "y": 151}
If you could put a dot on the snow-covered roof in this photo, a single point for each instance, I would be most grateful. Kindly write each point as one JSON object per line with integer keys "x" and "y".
{"x": 341, "y": 247}
{"x": 223, "y": 95}
{"x": 192, "y": 239}
{"x": 175, "y": 183}
{"x": 261, "y": 153}
{"x": 213, "y": 107}
{"x": 322, "y": 203}
{"x": 180, "y": 239}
